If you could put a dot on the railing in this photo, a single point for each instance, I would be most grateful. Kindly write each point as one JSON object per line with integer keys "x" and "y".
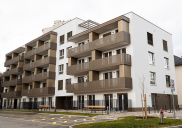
{"x": 12, "y": 83}
{"x": 40, "y": 63}
{"x": 13, "y": 94}
{"x": 100, "y": 64}
{"x": 46, "y": 91}
{"x": 14, "y": 60}
{"x": 109, "y": 42}
{"x": 114, "y": 84}
{"x": 15, "y": 71}
{"x": 40, "y": 49}
{"x": 39, "y": 77}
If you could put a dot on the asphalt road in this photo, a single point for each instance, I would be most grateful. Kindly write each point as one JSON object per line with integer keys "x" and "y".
{"x": 43, "y": 121}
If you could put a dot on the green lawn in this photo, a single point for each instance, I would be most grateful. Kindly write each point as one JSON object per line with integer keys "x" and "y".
{"x": 132, "y": 122}
{"x": 48, "y": 112}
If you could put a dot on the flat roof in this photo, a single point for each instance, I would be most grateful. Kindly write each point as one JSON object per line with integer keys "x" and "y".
{"x": 18, "y": 50}
{"x": 43, "y": 37}
{"x": 106, "y": 26}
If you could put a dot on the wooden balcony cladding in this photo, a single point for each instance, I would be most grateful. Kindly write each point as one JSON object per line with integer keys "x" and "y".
{"x": 13, "y": 94}
{"x": 107, "y": 63}
{"x": 46, "y": 91}
{"x": 12, "y": 83}
{"x": 39, "y": 77}
{"x": 15, "y": 71}
{"x": 40, "y": 63}
{"x": 109, "y": 42}
{"x": 14, "y": 60}
{"x": 114, "y": 84}
{"x": 41, "y": 49}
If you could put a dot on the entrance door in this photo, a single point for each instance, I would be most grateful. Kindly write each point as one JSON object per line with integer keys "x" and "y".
{"x": 50, "y": 101}
{"x": 123, "y": 102}
{"x": 81, "y": 102}
{"x": 120, "y": 102}
{"x": 15, "y": 103}
{"x": 108, "y": 102}
{"x": 35, "y": 104}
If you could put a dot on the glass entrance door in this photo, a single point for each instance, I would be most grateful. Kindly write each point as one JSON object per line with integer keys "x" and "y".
{"x": 123, "y": 102}
{"x": 109, "y": 102}
{"x": 81, "y": 102}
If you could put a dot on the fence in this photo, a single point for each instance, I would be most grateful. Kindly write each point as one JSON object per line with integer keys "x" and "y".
{"x": 165, "y": 108}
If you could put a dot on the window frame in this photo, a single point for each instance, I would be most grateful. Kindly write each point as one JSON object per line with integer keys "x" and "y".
{"x": 154, "y": 80}
{"x": 166, "y": 66}
{"x": 61, "y": 69}
{"x": 169, "y": 78}
{"x": 61, "y": 51}
{"x": 150, "y": 42}
{"x": 61, "y": 39}
{"x": 153, "y": 58}
{"x": 165, "y": 42}
{"x": 68, "y": 34}
{"x": 60, "y": 85}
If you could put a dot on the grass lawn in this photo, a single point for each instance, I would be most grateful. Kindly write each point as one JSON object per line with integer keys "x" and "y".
{"x": 48, "y": 112}
{"x": 132, "y": 122}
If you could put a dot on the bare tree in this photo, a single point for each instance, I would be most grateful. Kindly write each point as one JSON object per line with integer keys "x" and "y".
{"x": 143, "y": 86}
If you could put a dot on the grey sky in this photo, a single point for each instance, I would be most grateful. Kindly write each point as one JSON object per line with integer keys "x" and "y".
{"x": 23, "y": 20}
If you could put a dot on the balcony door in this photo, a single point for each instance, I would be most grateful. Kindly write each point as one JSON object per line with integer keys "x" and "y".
{"x": 81, "y": 102}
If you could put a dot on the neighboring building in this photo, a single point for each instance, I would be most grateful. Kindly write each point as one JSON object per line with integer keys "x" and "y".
{"x": 83, "y": 63}
{"x": 1, "y": 89}
{"x": 178, "y": 69}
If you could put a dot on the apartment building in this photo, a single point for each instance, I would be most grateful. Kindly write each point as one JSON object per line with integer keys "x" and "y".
{"x": 178, "y": 71}
{"x": 84, "y": 63}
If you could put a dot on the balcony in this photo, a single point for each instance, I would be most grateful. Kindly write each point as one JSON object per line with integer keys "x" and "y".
{"x": 12, "y": 83}
{"x": 109, "y": 42}
{"x": 14, "y": 60}
{"x": 40, "y": 49}
{"x": 102, "y": 64}
{"x": 39, "y": 77}
{"x": 46, "y": 91}
{"x": 114, "y": 84}
{"x": 15, "y": 71}
{"x": 13, "y": 94}
{"x": 40, "y": 63}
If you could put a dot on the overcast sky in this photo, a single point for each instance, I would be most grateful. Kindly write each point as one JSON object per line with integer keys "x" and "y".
{"x": 23, "y": 20}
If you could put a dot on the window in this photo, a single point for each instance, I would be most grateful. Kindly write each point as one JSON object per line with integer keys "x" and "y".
{"x": 81, "y": 79}
{"x": 32, "y": 73}
{"x": 46, "y": 42}
{"x": 167, "y": 81}
{"x": 150, "y": 38}
{"x": 107, "y": 54}
{"x": 118, "y": 75}
{"x": 30, "y": 86}
{"x": 89, "y": 58}
{"x": 152, "y": 78}
{"x": 80, "y": 61}
{"x": 165, "y": 46}
{"x": 116, "y": 31}
{"x": 108, "y": 75}
{"x": 60, "y": 85}
{"x": 66, "y": 64}
{"x": 61, "y": 68}
{"x": 68, "y": 81}
{"x": 45, "y": 70}
{"x": 151, "y": 58}
{"x": 68, "y": 49}
{"x": 119, "y": 51}
{"x": 61, "y": 54}
{"x": 107, "y": 34}
{"x": 31, "y": 61}
{"x": 69, "y": 34}
{"x": 166, "y": 63}
{"x": 82, "y": 43}
{"x": 45, "y": 56}
{"x": 6, "y": 90}
{"x": 62, "y": 39}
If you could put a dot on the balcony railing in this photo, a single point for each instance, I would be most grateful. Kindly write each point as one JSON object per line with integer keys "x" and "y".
{"x": 40, "y": 49}
{"x": 12, "y": 83}
{"x": 40, "y": 63}
{"x": 105, "y": 43}
{"x": 100, "y": 64}
{"x": 114, "y": 84}
{"x": 13, "y": 94}
{"x": 46, "y": 91}
{"x": 15, "y": 71}
{"x": 14, "y": 60}
{"x": 39, "y": 77}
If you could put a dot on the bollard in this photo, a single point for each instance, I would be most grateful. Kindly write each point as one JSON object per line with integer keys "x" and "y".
{"x": 107, "y": 110}
{"x": 149, "y": 109}
{"x": 162, "y": 115}
{"x": 55, "y": 109}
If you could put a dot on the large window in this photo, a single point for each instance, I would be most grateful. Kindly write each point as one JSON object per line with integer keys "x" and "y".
{"x": 81, "y": 79}
{"x": 61, "y": 54}
{"x": 165, "y": 46}
{"x": 108, "y": 75}
{"x": 44, "y": 85}
{"x": 118, "y": 74}
{"x": 60, "y": 85}
{"x": 119, "y": 51}
{"x": 151, "y": 58}
{"x": 152, "y": 78}
{"x": 167, "y": 81}
{"x": 69, "y": 34}
{"x": 82, "y": 43}
{"x": 61, "y": 68}
{"x": 68, "y": 81}
{"x": 107, "y": 54}
{"x": 62, "y": 39}
{"x": 150, "y": 38}
{"x": 80, "y": 61}
{"x": 166, "y": 63}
